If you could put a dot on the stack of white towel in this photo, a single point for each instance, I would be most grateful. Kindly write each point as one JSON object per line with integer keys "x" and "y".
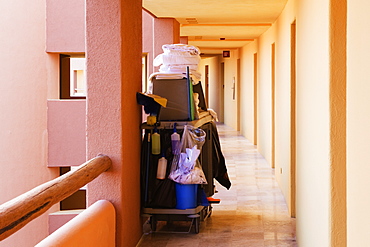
{"x": 174, "y": 61}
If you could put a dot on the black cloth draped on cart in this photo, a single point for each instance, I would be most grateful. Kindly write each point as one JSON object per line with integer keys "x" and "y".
{"x": 161, "y": 193}
{"x": 157, "y": 193}
{"x": 218, "y": 159}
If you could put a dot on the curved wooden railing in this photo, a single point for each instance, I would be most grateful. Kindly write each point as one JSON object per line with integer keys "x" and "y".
{"x": 19, "y": 211}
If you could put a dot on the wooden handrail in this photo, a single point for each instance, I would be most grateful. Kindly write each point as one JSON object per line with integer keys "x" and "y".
{"x": 19, "y": 211}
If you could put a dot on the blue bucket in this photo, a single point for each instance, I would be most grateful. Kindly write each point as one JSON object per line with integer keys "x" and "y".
{"x": 186, "y": 196}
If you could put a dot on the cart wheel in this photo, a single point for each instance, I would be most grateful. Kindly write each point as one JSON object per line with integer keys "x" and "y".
{"x": 153, "y": 223}
{"x": 197, "y": 225}
{"x": 202, "y": 214}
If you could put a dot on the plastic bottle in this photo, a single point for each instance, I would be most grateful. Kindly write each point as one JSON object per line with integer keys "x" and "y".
{"x": 156, "y": 142}
{"x": 162, "y": 167}
{"x": 175, "y": 141}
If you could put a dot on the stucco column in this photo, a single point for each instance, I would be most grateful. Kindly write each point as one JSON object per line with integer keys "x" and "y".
{"x": 184, "y": 39}
{"x": 165, "y": 31}
{"x": 113, "y": 52}
{"x": 338, "y": 122}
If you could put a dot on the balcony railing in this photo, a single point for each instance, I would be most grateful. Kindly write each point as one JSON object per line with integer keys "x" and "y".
{"x": 19, "y": 211}
{"x": 94, "y": 227}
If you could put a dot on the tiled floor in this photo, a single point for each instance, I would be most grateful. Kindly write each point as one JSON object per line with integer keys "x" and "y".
{"x": 252, "y": 213}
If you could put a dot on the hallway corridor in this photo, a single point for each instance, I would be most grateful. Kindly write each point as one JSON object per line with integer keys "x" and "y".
{"x": 252, "y": 213}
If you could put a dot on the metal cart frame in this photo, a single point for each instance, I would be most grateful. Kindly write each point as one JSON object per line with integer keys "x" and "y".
{"x": 195, "y": 215}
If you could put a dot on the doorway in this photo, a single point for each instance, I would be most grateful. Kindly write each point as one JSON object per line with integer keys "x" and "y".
{"x": 293, "y": 120}
{"x": 255, "y": 94}
{"x": 206, "y": 75}
{"x": 273, "y": 105}
{"x": 222, "y": 98}
{"x": 238, "y": 95}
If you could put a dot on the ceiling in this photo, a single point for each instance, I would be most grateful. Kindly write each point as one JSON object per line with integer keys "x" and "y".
{"x": 216, "y": 25}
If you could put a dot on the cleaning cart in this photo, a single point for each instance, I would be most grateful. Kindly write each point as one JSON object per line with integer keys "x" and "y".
{"x": 164, "y": 199}
{"x": 181, "y": 193}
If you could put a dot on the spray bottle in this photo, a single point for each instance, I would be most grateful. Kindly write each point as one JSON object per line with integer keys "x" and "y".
{"x": 156, "y": 142}
{"x": 175, "y": 141}
{"x": 162, "y": 167}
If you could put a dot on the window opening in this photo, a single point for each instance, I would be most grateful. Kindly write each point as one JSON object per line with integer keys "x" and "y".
{"x": 72, "y": 77}
{"x": 78, "y": 199}
{"x": 77, "y": 79}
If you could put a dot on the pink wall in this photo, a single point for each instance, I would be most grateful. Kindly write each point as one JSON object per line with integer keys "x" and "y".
{"x": 66, "y": 132}
{"x": 93, "y": 227}
{"x": 166, "y": 31}
{"x": 184, "y": 40}
{"x": 26, "y": 72}
{"x": 113, "y": 52}
{"x": 31, "y": 78}
{"x": 65, "y": 26}
{"x": 156, "y": 33}
{"x": 148, "y": 21}
{"x": 58, "y": 219}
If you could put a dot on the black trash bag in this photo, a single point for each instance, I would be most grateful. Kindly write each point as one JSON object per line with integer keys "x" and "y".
{"x": 163, "y": 195}
{"x": 157, "y": 193}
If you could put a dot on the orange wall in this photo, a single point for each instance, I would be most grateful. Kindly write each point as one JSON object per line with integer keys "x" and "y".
{"x": 279, "y": 35}
{"x": 166, "y": 31}
{"x": 156, "y": 33}
{"x": 215, "y": 88}
{"x": 228, "y": 110}
{"x": 230, "y": 104}
{"x": 313, "y": 143}
{"x": 358, "y": 122}
{"x": 28, "y": 77}
{"x": 113, "y": 52}
{"x": 247, "y": 90}
{"x": 283, "y": 98}
{"x": 148, "y": 35}
{"x": 95, "y": 226}
{"x": 264, "y": 95}
{"x": 313, "y": 203}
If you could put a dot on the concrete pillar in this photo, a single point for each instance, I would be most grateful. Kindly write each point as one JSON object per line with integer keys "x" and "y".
{"x": 157, "y": 32}
{"x": 166, "y": 31}
{"x": 113, "y": 54}
{"x": 184, "y": 40}
{"x": 148, "y": 20}
{"x": 338, "y": 121}
{"x": 65, "y": 26}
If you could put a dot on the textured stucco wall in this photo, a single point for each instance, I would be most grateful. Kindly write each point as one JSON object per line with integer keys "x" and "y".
{"x": 156, "y": 33}
{"x": 66, "y": 132}
{"x": 27, "y": 76}
{"x": 65, "y": 26}
{"x": 230, "y": 103}
{"x": 313, "y": 133}
{"x": 214, "y": 83}
{"x": 93, "y": 227}
{"x": 358, "y": 122}
{"x": 148, "y": 30}
{"x": 113, "y": 53}
{"x": 247, "y": 90}
{"x": 314, "y": 198}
